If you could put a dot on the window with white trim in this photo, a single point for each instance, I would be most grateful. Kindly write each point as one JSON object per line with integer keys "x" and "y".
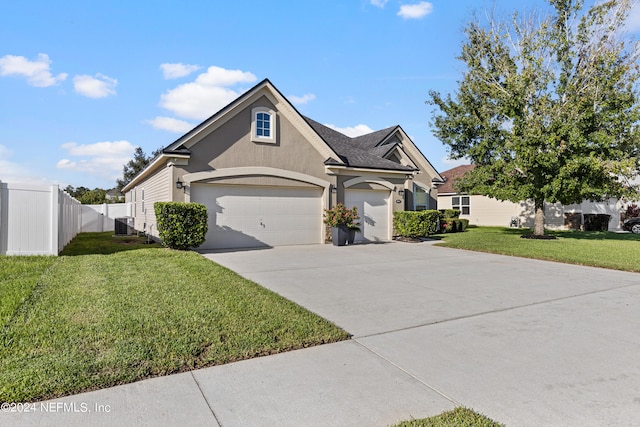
{"x": 460, "y": 203}
{"x": 263, "y": 125}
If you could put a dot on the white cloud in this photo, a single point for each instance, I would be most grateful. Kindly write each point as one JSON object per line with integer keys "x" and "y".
{"x": 379, "y": 3}
{"x": 354, "y": 131}
{"x": 37, "y": 73}
{"x": 99, "y": 86}
{"x": 171, "y": 124}
{"x": 104, "y": 159}
{"x": 301, "y": 100}
{"x": 207, "y": 94}
{"x": 415, "y": 11}
{"x": 177, "y": 70}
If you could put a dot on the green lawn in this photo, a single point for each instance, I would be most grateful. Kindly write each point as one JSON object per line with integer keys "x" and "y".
{"x": 114, "y": 310}
{"x": 459, "y": 417}
{"x": 619, "y": 251}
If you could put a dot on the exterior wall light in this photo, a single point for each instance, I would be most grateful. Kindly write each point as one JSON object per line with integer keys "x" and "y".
{"x": 400, "y": 193}
{"x": 179, "y": 184}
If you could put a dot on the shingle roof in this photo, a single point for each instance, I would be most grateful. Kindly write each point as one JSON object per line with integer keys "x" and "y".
{"x": 357, "y": 152}
{"x": 372, "y": 139}
{"x": 451, "y": 176}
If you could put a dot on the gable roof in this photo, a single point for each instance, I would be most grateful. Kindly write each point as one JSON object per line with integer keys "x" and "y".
{"x": 352, "y": 153}
{"x": 365, "y": 151}
{"x": 450, "y": 178}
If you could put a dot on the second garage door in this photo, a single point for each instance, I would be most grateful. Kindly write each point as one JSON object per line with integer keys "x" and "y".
{"x": 245, "y": 216}
{"x": 373, "y": 208}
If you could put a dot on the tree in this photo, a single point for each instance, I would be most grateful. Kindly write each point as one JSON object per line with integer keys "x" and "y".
{"x": 135, "y": 166}
{"x": 547, "y": 108}
{"x": 87, "y": 196}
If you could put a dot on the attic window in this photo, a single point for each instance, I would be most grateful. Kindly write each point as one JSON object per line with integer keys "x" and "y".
{"x": 263, "y": 123}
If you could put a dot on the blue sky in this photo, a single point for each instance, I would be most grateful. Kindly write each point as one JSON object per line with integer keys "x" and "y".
{"x": 85, "y": 82}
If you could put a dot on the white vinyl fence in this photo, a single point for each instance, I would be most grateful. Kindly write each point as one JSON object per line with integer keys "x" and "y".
{"x": 99, "y": 218}
{"x": 36, "y": 220}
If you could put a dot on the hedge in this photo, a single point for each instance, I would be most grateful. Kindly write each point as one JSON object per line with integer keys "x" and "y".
{"x": 449, "y": 213}
{"x": 415, "y": 223}
{"x": 453, "y": 225}
{"x": 181, "y": 225}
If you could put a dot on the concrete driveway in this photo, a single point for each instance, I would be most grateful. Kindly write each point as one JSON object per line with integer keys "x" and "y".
{"x": 525, "y": 342}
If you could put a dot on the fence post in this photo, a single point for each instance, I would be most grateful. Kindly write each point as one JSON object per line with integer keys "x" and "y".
{"x": 55, "y": 219}
{"x": 2, "y": 249}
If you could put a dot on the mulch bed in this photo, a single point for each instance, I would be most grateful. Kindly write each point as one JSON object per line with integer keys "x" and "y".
{"x": 536, "y": 237}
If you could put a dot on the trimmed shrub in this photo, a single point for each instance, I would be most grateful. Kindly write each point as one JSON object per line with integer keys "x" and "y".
{"x": 596, "y": 222}
{"x": 415, "y": 223}
{"x": 449, "y": 213}
{"x": 181, "y": 225}
{"x": 453, "y": 225}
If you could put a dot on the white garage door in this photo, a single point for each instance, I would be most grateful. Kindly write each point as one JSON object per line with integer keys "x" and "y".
{"x": 246, "y": 217}
{"x": 373, "y": 208}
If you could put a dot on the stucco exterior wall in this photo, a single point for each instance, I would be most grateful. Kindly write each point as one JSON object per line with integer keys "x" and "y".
{"x": 231, "y": 146}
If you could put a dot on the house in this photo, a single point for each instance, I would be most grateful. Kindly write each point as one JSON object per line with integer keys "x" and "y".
{"x": 483, "y": 210}
{"x": 266, "y": 173}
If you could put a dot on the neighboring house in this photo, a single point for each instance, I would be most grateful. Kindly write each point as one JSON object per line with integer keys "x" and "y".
{"x": 266, "y": 173}
{"x": 483, "y": 210}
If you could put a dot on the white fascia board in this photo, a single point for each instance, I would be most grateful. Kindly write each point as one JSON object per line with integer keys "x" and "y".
{"x": 152, "y": 167}
{"x": 283, "y": 107}
{"x": 340, "y": 170}
{"x": 415, "y": 153}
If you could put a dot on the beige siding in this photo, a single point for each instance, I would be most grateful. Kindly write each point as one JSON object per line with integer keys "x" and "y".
{"x": 491, "y": 212}
{"x": 612, "y": 207}
{"x": 156, "y": 188}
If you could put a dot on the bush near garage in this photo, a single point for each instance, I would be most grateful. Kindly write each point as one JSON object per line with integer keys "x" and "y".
{"x": 415, "y": 224}
{"x": 181, "y": 225}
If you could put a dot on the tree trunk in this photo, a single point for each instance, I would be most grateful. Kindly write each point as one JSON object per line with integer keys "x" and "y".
{"x": 538, "y": 225}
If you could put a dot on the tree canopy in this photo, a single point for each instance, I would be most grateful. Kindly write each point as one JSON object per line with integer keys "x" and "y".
{"x": 135, "y": 166}
{"x": 547, "y": 108}
{"x": 86, "y": 196}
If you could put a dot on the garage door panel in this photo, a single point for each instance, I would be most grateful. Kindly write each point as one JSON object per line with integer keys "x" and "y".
{"x": 243, "y": 216}
{"x": 373, "y": 208}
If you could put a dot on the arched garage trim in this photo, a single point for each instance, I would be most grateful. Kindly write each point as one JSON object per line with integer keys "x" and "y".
{"x": 361, "y": 179}
{"x": 255, "y": 170}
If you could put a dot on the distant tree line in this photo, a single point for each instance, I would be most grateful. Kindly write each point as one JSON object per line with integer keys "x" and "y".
{"x": 97, "y": 196}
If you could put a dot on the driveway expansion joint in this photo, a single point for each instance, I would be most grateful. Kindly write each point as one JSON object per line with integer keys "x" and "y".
{"x": 206, "y": 400}
{"x": 496, "y": 311}
{"x": 401, "y": 369}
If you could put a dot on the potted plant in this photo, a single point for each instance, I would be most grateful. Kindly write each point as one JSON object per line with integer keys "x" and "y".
{"x": 339, "y": 218}
{"x": 353, "y": 226}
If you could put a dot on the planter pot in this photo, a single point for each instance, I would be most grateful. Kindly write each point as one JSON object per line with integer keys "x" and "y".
{"x": 339, "y": 235}
{"x": 352, "y": 236}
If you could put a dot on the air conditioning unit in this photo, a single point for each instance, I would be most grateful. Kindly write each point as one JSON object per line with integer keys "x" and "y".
{"x": 123, "y": 226}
